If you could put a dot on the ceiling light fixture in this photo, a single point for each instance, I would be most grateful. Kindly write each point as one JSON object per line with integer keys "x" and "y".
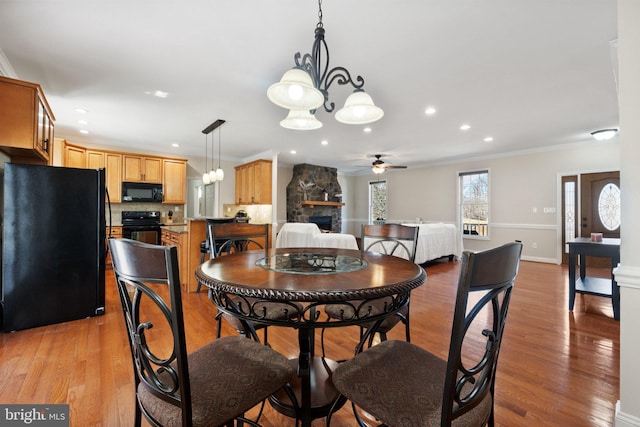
{"x": 377, "y": 169}
{"x": 213, "y": 175}
{"x": 305, "y": 88}
{"x": 604, "y": 134}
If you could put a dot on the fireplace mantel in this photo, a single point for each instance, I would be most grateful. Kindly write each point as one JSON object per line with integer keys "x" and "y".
{"x": 313, "y": 203}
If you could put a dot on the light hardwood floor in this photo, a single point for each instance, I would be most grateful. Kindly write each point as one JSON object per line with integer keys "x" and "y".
{"x": 556, "y": 368}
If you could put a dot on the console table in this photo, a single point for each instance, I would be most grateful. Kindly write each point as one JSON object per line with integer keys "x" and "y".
{"x": 582, "y": 247}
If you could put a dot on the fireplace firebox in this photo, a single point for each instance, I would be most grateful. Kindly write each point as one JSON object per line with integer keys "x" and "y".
{"x": 323, "y": 221}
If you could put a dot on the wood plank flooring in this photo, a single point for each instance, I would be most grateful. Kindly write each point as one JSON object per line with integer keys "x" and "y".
{"x": 556, "y": 368}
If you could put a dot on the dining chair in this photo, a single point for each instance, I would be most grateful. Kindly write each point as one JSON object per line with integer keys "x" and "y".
{"x": 431, "y": 391}
{"x": 204, "y": 245}
{"x": 388, "y": 239}
{"x": 228, "y": 239}
{"x": 173, "y": 387}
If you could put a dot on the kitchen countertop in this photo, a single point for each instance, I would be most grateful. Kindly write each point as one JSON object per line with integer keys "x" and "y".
{"x": 175, "y": 228}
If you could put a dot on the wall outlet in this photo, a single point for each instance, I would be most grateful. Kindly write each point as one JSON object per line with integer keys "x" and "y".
{"x": 534, "y": 245}
{"x": 535, "y": 210}
{"x": 549, "y": 210}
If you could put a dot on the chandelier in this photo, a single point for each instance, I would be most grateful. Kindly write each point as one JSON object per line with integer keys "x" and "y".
{"x": 305, "y": 88}
{"x": 217, "y": 174}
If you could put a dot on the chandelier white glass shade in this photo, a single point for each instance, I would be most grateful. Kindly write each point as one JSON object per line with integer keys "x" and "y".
{"x": 301, "y": 120}
{"x": 359, "y": 109}
{"x": 306, "y": 88}
{"x": 604, "y": 134}
{"x": 295, "y": 91}
{"x": 214, "y": 174}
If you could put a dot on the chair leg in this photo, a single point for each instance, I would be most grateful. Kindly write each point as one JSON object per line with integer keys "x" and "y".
{"x": 138, "y": 416}
{"x": 218, "y": 324}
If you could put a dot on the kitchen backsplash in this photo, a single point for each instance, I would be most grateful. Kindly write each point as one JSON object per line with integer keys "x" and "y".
{"x": 117, "y": 208}
{"x": 258, "y": 214}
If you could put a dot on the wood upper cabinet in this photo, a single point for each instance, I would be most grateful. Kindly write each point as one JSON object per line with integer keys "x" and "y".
{"x": 80, "y": 157}
{"x": 174, "y": 182}
{"x": 26, "y": 121}
{"x": 75, "y": 157}
{"x": 142, "y": 169}
{"x": 253, "y": 183}
{"x": 119, "y": 167}
{"x": 113, "y": 166}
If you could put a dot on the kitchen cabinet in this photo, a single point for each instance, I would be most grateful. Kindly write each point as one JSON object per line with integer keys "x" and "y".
{"x": 80, "y": 157}
{"x": 113, "y": 166}
{"x": 141, "y": 169}
{"x": 26, "y": 122}
{"x": 174, "y": 181}
{"x": 253, "y": 183}
{"x": 170, "y": 172}
{"x": 178, "y": 237}
{"x": 75, "y": 157}
{"x": 115, "y": 232}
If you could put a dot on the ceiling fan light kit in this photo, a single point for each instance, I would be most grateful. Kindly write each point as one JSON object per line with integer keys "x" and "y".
{"x": 378, "y": 166}
{"x": 306, "y": 88}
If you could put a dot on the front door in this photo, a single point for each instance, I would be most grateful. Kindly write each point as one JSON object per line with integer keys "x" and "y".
{"x": 599, "y": 199}
{"x": 600, "y": 204}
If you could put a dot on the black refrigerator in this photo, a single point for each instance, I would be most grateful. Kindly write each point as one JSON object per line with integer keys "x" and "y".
{"x": 53, "y": 245}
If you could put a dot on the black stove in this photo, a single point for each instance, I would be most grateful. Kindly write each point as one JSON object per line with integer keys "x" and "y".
{"x": 143, "y": 226}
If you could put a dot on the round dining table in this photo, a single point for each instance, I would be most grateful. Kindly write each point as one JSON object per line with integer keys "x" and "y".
{"x": 300, "y": 282}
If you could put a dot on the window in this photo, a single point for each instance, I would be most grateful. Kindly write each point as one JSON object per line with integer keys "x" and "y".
{"x": 474, "y": 203}
{"x": 377, "y": 200}
{"x": 609, "y": 207}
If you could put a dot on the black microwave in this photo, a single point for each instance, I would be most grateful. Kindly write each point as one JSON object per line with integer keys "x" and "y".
{"x": 141, "y": 192}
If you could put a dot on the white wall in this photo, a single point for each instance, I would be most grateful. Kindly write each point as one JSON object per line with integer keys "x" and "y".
{"x": 518, "y": 183}
{"x": 628, "y": 274}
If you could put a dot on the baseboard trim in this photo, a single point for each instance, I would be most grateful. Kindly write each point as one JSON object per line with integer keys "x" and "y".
{"x": 625, "y": 420}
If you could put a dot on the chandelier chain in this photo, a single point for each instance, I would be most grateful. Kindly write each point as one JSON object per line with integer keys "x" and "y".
{"x": 320, "y": 13}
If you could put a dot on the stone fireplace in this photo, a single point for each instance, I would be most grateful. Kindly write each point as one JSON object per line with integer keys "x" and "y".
{"x": 311, "y": 183}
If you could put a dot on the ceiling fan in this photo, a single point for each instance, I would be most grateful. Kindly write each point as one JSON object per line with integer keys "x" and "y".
{"x": 379, "y": 166}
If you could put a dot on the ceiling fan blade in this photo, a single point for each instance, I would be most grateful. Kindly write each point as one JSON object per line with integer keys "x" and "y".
{"x": 392, "y": 167}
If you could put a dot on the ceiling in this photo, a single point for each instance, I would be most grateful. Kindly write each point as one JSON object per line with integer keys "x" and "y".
{"x": 531, "y": 75}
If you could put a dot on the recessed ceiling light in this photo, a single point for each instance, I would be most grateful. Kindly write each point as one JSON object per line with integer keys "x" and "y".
{"x": 81, "y": 110}
{"x": 292, "y": 151}
{"x": 158, "y": 94}
{"x": 488, "y": 139}
{"x": 465, "y": 127}
{"x": 175, "y": 144}
{"x": 84, "y": 131}
{"x": 367, "y": 130}
{"x": 430, "y": 111}
{"x": 324, "y": 142}
{"x": 83, "y": 122}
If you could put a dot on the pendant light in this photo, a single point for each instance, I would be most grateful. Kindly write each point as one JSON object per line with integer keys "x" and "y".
{"x": 219, "y": 171}
{"x": 213, "y": 175}
{"x": 212, "y": 171}
{"x": 205, "y": 175}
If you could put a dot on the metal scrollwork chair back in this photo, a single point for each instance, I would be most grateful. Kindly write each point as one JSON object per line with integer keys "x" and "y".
{"x": 388, "y": 239}
{"x": 239, "y": 237}
{"x": 435, "y": 392}
{"x": 173, "y": 387}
